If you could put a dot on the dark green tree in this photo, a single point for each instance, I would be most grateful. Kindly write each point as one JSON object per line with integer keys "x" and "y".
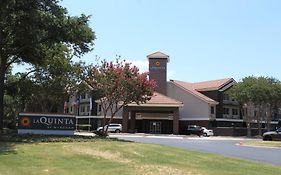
{"x": 241, "y": 92}
{"x": 30, "y": 28}
{"x": 259, "y": 96}
{"x": 54, "y": 81}
{"x": 45, "y": 88}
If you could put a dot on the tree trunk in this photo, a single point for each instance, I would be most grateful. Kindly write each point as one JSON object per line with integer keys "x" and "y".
{"x": 268, "y": 117}
{"x": 258, "y": 120}
{"x": 248, "y": 112}
{"x": 104, "y": 130}
{"x": 110, "y": 120}
{"x": 2, "y": 87}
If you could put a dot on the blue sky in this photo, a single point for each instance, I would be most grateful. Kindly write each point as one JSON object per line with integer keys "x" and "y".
{"x": 205, "y": 39}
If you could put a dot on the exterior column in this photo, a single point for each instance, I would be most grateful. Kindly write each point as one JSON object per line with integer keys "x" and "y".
{"x": 133, "y": 122}
{"x": 176, "y": 121}
{"x": 125, "y": 119}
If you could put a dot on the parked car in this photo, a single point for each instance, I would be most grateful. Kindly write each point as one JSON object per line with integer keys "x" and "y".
{"x": 272, "y": 135}
{"x": 194, "y": 129}
{"x": 207, "y": 132}
{"x": 113, "y": 127}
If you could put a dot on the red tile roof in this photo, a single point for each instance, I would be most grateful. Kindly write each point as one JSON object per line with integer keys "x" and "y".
{"x": 211, "y": 85}
{"x": 160, "y": 100}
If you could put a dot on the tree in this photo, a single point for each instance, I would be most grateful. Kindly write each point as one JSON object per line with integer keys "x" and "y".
{"x": 116, "y": 84}
{"x": 30, "y": 28}
{"x": 274, "y": 101}
{"x": 241, "y": 92}
{"x": 54, "y": 80}
{"x": 47, "y": 86}
{"x": 258, "y": 95}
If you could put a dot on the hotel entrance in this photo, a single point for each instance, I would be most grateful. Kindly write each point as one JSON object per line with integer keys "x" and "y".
{"x": 159, "y": 115}
{"x": 155, "y": 127}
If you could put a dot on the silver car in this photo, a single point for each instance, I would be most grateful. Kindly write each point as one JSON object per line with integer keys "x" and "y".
{"x": 113, "y": 127}
{"x": 272, "y": 135}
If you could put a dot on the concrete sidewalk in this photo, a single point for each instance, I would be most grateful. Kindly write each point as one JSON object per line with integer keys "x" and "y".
{"x": 165, "y": 136}
{"x": 84, "y": 134}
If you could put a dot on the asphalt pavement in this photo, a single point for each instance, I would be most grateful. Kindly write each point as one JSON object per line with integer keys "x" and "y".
{"x": 226, "y": 146}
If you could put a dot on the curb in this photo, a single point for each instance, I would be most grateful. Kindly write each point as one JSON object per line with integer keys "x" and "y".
{"x": 255, "y": 146}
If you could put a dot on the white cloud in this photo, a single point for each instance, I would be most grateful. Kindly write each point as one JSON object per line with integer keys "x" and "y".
{"x": 141, "y": 64}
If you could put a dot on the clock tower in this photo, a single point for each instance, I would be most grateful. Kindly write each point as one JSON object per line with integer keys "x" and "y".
{"x": 158, "y": 70}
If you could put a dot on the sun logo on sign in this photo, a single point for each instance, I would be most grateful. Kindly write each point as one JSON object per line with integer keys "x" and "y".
{"x": 25, "y": 121}
{"x": 157, "y": 63}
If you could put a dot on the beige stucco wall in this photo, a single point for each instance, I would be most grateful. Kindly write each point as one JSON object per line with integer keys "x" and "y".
{"x": 193, "y": 109}
{"x": 117, "y": 115}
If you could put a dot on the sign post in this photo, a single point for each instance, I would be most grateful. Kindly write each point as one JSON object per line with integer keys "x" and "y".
{"x": 47, "y": 124}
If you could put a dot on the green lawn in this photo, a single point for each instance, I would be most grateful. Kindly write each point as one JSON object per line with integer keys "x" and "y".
{"x": 106, "y": 157}
{"x": 276, "y": 144}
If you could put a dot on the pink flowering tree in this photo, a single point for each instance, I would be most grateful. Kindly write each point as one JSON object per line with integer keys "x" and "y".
{"x": 116, "y": 84}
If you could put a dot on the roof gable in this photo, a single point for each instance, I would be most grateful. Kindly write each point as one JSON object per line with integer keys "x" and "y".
{"x": 188, "y": 87}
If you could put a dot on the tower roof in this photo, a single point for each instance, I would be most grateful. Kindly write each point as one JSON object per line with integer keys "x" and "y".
{"x": 158, "y": 55}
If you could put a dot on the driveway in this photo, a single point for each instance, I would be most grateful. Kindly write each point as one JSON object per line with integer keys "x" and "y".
{"x": 226, "y": 146}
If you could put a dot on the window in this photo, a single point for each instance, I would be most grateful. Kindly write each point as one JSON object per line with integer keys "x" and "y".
{"x": 114, "y": 125}
{"x": 234, "y": 111}
{"x": 226, "y": 97}
{"x": 82, "y": 109}
{"x": 226, "y": 111}
{"x": 99, "y": 108}
{"x": 83, "y": 96}
{"x": 99, "y": 123}
{"x": 71, "y": 109}
{"x": 88, "y": 108}
{"x": 212, "y": 110}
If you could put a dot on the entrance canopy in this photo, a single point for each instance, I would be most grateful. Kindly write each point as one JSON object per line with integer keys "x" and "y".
{"x": 159, "y": 107}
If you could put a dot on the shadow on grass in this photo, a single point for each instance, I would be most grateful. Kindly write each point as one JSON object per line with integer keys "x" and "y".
{"x": 7, "y": 148}
{"x": 8, "y": 141}
{"x": 30, "y": 138}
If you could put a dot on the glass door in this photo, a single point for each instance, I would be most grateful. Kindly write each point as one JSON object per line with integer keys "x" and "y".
{"x": 155, "y": 127}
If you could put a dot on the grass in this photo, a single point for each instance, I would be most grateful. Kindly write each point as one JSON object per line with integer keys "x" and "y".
{"x": 105, "y": 156}
{"x": 276, "y": 144}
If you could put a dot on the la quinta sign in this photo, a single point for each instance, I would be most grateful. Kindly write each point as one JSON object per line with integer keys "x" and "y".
{"x": 40, "y": 123}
